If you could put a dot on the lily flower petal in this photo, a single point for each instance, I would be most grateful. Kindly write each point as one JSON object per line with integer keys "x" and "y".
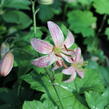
{"x": 41, "y": 46}
{"x": 67, "y": 58}
{"x": 73, "y": 76}
{"x": 69, "y": 40}
{"x": 78, "y": 54}
{"x": 44, "y": 61}
{"x": 56, "y": 33}
{"x": 80, "y": 73}
{"x": 68, "y": 71}
{"x": 6, "y": 64}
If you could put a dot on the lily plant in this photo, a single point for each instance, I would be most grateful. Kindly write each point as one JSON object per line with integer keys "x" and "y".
{"x": 59, "y": 52}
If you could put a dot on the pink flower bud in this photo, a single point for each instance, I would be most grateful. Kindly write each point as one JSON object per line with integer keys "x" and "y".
{"x": 6, "y": 64}
{"x": 46, "y": 2}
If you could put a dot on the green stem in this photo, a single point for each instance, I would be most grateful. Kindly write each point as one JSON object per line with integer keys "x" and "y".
{"x": 34, "y": 15}
{"x": 52, "y": 81}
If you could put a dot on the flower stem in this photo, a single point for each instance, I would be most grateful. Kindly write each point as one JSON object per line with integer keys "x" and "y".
{"x": 52, "y": 81}
{"x": 34, "y": 15}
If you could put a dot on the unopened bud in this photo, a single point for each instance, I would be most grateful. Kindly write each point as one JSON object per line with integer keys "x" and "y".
{"x": 6, "y": 64}
{"x": 46, "y": 2}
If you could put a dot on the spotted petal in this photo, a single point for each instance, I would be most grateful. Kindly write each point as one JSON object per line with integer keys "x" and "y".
{"x": 69, "y": 40}
{"x": 56, "y": 33}
{"x": 41, "y": 46}
{"x": 44, "y": 61}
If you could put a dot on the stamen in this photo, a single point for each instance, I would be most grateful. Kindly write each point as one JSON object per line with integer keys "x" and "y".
{"x": 72, "y": 59}
{"x": 58, "y": 55}
{"x": 64, "y": 65}
{"x": 58, "y": 64}
{"x": 65, "y": 47}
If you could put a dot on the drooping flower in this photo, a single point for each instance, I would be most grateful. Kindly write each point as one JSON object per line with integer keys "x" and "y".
{"x": 76, "y": 66}
{"x": 56, "y": 52}
{"x": 6, "y": 64}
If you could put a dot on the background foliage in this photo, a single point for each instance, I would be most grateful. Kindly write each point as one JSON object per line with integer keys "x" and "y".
{"x": 29, "y": 87}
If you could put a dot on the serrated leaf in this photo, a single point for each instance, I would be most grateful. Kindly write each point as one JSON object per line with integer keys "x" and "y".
{"x": 82, "y": 22}
{"x": 17, "y": 17}
{"x": 102, "y": 6}
{"x": 96, "y": 100}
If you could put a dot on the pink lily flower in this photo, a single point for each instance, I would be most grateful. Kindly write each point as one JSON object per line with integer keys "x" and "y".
{"x": 76, "y": 66}
{"x": 6, "y": 64}
{"x": 56, "y": 52}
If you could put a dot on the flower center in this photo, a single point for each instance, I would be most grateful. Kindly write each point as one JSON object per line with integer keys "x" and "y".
{"x": 79, "y": 65}
{"x": 57, "y": 50}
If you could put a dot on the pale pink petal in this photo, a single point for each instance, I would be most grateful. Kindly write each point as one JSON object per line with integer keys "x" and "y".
{"x": 55, "y": 67}
{"x": 69, "y": 40}
{"x": 80, "y": 73}
{"x": 67, "y": 58}
{"x": 41, "y": 46}
{"x": 73, "y": 76}
{"x": 78, "y": 54}
{"x": 68, "y": 52}
{"x": 68, "y": 71}
{"x": 56, "y": 33}
{"x": 6, "y": 64}
{"x": 44, "y": 61}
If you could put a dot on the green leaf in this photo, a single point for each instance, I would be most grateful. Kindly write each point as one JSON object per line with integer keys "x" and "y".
{"x": 96, "y": 100}
{"x": 64, "y": 98}
{"x": 18, "y": 4}
{"x": 46, "y": 12}
{"x": 82, "y": 22}
{"x": 17, "y": 17}
{"x": 101, "y": 6}
{"x": 91, "y": 82}
{"x": 33, "y": 105}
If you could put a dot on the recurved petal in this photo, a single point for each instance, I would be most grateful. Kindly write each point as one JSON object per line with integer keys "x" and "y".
{"x": 56, "y": 33}
{"x": 69, "y": 40}
{"x": 6, "y": 64}
{"x": 44, "y": 61}
{"x": 80, "y": 73}
{"x": 68, "y": 71}
{"x": 78, "y": 54}
{"x": 41, "y": 46}
{"x": 73, "y": 76}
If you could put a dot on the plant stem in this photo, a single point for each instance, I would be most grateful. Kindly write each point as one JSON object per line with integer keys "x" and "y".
{"x": 102, "y": 24}
{"x": 34, "y": 16}
{"x": 52, "y": 81}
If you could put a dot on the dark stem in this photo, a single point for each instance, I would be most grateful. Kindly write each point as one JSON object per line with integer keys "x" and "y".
{"x": 102, "y": 24}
